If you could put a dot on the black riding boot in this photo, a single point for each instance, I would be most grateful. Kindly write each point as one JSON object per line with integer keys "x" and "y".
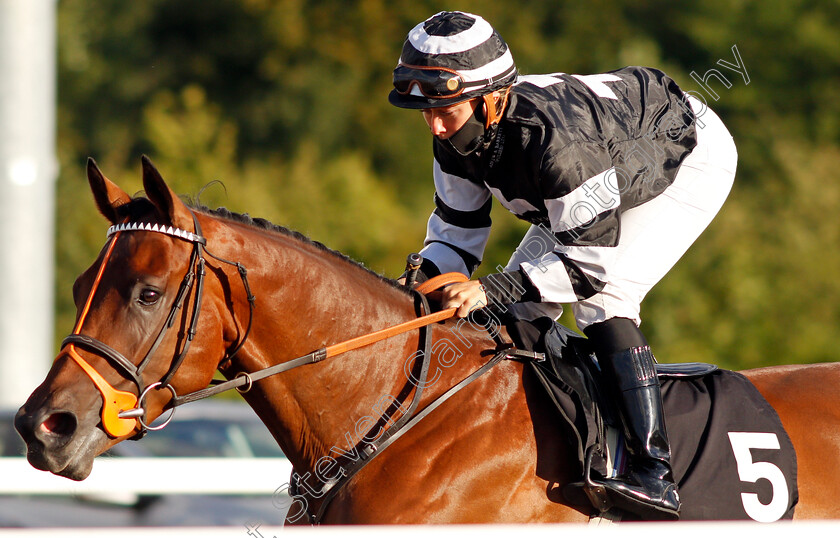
{"x": 648, "y": 478}
{"x": 647, "y": 486}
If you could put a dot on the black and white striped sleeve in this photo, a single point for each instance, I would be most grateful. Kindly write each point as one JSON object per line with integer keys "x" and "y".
{"x": 459, "y": 227}
{"x": 582, "y": 200}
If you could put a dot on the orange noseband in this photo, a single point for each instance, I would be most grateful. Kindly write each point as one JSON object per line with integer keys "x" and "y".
{"x": 113, "y": 401}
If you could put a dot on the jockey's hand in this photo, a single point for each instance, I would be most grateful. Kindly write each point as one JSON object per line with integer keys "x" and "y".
{"x": 465, "y": 296}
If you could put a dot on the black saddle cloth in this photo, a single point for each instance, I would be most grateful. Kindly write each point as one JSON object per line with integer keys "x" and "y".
{"x": 731, "y": 456}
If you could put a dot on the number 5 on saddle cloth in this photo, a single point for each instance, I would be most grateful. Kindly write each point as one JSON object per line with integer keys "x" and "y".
{"x": 731, "y": 456}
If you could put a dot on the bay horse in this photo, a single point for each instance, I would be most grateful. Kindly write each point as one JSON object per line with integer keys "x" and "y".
{"x": 491, "y": 453}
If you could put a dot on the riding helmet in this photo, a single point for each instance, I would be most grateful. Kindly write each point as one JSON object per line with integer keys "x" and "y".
{"x": 449, "y": 58}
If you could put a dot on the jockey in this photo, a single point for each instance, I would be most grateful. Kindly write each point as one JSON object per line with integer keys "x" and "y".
{"x": 618, "y": 174}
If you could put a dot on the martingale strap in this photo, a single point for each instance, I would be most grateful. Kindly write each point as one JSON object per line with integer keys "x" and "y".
{"x": 376, "y": 447}
{"x": 368, "y": 450}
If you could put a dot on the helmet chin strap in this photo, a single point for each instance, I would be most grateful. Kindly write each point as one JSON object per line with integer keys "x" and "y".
{"x": 492, "y": 113}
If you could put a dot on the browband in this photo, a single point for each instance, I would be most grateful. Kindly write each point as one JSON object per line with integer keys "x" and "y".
{"x": 159, "y": 228}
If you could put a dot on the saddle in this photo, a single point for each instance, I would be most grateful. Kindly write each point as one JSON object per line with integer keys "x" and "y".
{"x": 719, "y": 428}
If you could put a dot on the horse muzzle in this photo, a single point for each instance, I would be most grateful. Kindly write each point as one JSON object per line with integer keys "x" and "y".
{"x": 56, "y": 443}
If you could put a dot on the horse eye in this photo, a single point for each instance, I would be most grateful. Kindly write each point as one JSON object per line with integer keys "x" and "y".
{"x": 149, "y": 297}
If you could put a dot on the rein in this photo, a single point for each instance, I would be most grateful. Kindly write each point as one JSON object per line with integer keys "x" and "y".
{"x": 247, "y": 379}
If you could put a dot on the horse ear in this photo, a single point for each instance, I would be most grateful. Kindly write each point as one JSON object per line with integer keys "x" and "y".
{"x": 107, "y": 195}
{"x": 164, "y": 198}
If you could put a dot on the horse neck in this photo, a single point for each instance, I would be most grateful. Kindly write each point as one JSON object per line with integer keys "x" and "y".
{"x": 309, "y": 298}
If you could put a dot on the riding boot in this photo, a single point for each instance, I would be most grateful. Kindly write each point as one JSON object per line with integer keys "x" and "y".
{"x": 647, "y": 486}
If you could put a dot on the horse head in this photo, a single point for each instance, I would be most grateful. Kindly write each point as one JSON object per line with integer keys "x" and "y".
{"x": 137, "y": 314}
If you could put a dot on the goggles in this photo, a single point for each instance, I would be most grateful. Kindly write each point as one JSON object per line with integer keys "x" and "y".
{"x": 433, "y": 82}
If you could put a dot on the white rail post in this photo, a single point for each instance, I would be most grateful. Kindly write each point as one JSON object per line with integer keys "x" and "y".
{"x": 28, "y": 169}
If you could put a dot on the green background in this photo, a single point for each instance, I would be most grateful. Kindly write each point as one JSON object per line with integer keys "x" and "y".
{"x": 285, "y": 103}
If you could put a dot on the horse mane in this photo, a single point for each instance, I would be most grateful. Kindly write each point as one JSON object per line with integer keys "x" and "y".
{"x": 140, "y": 207}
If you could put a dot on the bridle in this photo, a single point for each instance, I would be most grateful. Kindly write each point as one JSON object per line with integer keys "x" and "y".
{"x": 123, "y": 412}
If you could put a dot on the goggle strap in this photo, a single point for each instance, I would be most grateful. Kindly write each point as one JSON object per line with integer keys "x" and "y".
{"x": 462, "y": 86}
{"x": 494, "y": 113}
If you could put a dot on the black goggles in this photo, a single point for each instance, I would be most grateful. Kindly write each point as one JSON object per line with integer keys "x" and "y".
{"x": 433, "y": 82}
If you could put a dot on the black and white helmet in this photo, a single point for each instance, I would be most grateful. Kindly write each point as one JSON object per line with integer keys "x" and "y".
{"x": 450, "y": 58}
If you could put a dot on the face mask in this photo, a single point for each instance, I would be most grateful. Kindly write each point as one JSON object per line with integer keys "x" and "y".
{"x": 469, "y": 137}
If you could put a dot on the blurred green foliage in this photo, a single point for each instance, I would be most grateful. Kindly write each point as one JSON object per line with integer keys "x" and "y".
{"x": 279, "y": 109}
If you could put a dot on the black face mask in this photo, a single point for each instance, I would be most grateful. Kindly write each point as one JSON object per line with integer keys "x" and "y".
{"x": 472, "y": 136}
{"x": 469, "y": 137}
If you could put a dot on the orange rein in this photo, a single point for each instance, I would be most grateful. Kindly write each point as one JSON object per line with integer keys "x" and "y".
{"x": 426, "y": 287}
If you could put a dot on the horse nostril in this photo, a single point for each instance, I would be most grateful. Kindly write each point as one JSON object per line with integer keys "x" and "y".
{"x": 61, "y": 424}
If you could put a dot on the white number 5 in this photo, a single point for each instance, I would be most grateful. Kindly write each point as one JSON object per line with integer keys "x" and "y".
{"x": 752, "y": 471}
